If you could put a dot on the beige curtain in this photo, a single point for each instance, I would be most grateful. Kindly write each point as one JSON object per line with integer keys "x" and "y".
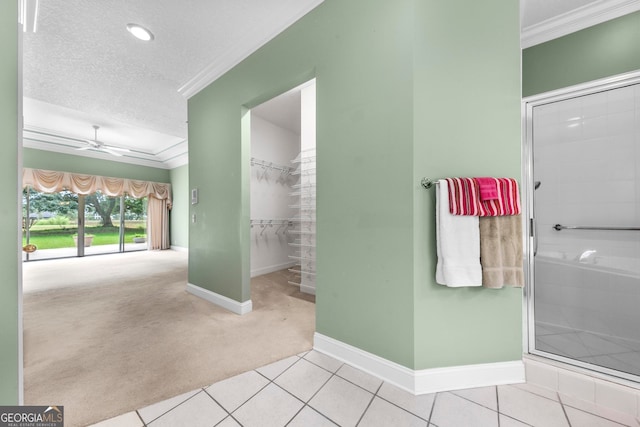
{"x": 159, "y": 195}
{"x": 158, "y": 223}
{"x": 47, "y": 181}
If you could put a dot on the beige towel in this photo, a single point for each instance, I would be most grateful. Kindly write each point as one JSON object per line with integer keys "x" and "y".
{"x": 501, "y": 251}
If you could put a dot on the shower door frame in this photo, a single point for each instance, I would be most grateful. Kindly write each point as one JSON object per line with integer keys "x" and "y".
{"x": 528, "y": 104}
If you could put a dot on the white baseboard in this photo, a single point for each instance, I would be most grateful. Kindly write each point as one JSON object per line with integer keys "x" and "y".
{"x": 220, "y": 300}
{"x": 426, "y": 380}
{"x": 271, "y": 268}
{"x": 179, "y": 248}
{"x": 469, "y": 376}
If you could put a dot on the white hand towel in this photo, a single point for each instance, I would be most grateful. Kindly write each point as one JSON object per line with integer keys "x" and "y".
{"x": 457, "y": 244}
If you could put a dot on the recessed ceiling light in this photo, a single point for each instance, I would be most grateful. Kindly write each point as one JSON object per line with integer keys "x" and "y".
{"x": 140, "y": 32}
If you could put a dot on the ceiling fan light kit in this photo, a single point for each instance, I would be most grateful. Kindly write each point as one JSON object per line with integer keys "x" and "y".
{"x": 94, "y": 144}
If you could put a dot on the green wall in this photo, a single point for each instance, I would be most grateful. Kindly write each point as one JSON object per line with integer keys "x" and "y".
{"x": 404, "y": 89}
{"x": 466, "y": 122}
{"x": 39, "y": 159}
{"x": 180, "y": 210}
{"x": 600, "y": 51}
{"x": 9, "y": 226}
{"x": 364, "y": 147}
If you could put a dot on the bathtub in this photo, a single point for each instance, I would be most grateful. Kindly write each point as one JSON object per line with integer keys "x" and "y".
{"x": 591, "y": 293}
{"x": 591, "y": 259}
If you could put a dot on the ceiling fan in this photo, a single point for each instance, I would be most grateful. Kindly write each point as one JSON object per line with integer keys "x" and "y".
{"x": 94, "y": 144}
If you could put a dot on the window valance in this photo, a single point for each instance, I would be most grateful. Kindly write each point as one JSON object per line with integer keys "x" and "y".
{"x": 52, "y": 181}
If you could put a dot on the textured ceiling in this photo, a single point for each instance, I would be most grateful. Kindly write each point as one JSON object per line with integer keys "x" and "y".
{"x": 83, "y": 64}
{"x": 82, "y": 67}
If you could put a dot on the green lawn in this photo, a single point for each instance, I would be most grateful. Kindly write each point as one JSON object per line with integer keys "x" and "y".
{"x": 57, "y": 238}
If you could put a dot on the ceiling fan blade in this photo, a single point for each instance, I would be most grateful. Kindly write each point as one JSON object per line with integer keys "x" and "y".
{"x": 111, "y": 147}
{"x": 110, "y": 151}
{"x": 84, "y": 148}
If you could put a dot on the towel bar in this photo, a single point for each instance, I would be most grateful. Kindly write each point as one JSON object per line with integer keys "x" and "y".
{"x": 428, "y": 182}
{"x": 559, "y": 227}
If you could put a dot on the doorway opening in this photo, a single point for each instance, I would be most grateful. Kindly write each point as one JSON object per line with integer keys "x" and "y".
{"x": 283, "y": 183}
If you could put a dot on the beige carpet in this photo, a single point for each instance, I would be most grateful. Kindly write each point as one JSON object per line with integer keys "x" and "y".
{"x": 110, "y": 334}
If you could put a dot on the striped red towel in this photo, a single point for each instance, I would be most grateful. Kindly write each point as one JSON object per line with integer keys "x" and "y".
{"x": 464, "y": 198}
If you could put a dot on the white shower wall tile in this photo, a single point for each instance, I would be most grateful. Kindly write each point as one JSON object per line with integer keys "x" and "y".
{"x": 621, "y": 100}
{"x": 580, "y": 386}
{"x": 613, "y": 401}
{"x": 616, "y": 397}
{"x": 595, "y": 127}
{"x": 594, "y": 105}
{"x": 568, "y": 110}
{"x": 539, "y": 391}
{"x": 621, "y": 123}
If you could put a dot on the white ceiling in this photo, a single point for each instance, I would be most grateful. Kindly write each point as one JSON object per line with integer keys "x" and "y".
{"x": 283, "y": 110}
{"x": 82, "y": 67}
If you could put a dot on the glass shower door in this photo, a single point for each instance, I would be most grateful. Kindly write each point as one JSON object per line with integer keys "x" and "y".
{"x": 586, "y": 207}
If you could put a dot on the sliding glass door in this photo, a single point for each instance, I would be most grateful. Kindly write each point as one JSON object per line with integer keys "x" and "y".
{"x": 65, "y": 224}
{"x": 101, "y": 224}
{"x": 49, "y": 224}
{"x": 134, "y": 217}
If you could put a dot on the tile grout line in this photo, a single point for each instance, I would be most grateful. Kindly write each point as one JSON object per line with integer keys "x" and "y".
{"x": 174, "y": 407}
{"x": 497, "y": 404}
{"x": 516, "y": 419}
{"x": 564, "y": 411}
{"x": 373, "y": 396}
{"x": 140, "y": 418}
{"x": 433, "y": 406}
{"x": 242, "y": 404}
{"x": 333, "y": 374}
{"x": 225, "y": 409}
{"x": 305, "y": 404}
{"x": 398, "y": 406}
{"x": 474, "y": 402}
{"x": 269, "y": 381}
{"x": 285, "y": 370}
{"x": 592, "y": 413}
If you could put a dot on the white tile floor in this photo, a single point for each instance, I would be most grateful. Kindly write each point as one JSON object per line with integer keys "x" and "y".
{"x": 312, "y": 389}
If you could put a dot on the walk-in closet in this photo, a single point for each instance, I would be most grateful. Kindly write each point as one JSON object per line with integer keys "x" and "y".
{"x": 283, "y": 183}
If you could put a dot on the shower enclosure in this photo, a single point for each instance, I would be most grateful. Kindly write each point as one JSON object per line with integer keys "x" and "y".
{"x": 582, "y": 186}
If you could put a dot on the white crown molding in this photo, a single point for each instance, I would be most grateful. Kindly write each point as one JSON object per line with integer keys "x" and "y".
{"x": 576, "y": 20}
{"x": 240, "y": 51}
{"x": 426, "y": 380}
{"x": 220, "y": 300}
